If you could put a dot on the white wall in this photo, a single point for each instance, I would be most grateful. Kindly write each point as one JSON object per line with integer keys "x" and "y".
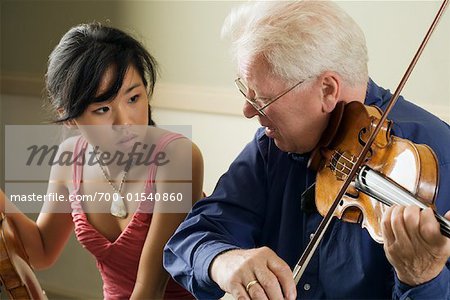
{"x": 185, "y": 38}
{"x": 394, "y": 30}
{"x": 219, "y": 137}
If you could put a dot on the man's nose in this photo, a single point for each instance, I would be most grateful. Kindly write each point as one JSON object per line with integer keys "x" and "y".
{"x": 249, "y": 111}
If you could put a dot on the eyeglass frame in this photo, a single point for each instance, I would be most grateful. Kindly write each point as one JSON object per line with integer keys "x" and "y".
{"x": 252, "y": 101}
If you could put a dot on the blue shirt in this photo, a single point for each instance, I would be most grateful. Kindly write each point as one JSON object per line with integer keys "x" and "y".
{"x": 257, "y": 203}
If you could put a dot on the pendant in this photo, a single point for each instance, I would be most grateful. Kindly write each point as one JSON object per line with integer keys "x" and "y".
{"x": 118, "y": 208}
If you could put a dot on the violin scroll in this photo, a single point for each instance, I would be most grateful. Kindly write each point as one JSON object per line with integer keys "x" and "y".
{"x": 16, "y": 275}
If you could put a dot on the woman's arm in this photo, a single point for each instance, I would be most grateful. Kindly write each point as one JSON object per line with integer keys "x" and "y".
{"x": 44, "y": 239}
{"x": 27, "y": 230}
{"x": 152, "y": 278}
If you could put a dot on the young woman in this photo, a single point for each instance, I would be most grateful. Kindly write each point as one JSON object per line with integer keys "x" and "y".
{"x": 99, "y": 81}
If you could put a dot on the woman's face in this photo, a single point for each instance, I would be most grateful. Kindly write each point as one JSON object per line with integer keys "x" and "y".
{"x": 120, "y": 123}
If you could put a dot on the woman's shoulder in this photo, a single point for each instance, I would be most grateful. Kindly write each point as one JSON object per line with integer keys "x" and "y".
{"x": 182, "y": 149}
{"x": 68, "y": 144}
{"x": 175, "y": 143}
{"x": 65, "y": 157}
{"x": 176, "y": 150}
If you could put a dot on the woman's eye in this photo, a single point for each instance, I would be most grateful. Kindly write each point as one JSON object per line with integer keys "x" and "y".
{"x": 134, "y": 99}
{"x": 101, "y": 110}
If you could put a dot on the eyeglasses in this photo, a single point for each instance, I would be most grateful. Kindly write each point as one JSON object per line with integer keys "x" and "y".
{"x": 260, "y": 103}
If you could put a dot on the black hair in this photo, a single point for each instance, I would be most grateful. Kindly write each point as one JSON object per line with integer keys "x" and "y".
{"x": 78, "y": 63}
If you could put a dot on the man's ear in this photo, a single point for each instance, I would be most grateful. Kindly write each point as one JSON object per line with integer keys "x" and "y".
{"x": 330, "y": 91}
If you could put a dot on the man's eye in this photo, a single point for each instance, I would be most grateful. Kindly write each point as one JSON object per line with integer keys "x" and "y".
{"x": 101, "y": 110}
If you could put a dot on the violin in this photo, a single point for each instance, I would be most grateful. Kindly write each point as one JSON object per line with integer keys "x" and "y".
{"x": 16, "y": 274}
{"x": 362, "y": 168}
{"x": 396, "y": 171}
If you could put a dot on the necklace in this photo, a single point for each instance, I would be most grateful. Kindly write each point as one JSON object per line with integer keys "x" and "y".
{"x": 117, "y": 208}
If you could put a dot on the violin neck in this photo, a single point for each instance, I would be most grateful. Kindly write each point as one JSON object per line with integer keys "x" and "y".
{"x": 388, "y": 192}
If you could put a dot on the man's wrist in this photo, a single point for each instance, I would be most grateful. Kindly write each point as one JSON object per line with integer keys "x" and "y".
{"x": 436, "y": 288}
{"x": 413, "y": 280}
{"x": 216, "y": 262}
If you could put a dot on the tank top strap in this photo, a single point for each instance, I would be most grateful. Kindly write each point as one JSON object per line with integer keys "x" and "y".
{"x": 160, "y": 146}
{"x": 78, "y": 154}
{"x": 77, "y": 172}
{"x": 148, "y": 206}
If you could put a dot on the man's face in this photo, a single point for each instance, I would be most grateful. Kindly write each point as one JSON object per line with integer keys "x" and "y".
{"x": 295, "y": 121}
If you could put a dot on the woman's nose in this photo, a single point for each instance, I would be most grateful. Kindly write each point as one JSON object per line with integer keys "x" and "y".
{"x": 120, "y": 120}
{"x": 121, "y": 115}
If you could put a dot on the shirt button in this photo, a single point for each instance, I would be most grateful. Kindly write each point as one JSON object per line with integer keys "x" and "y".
{"x": 311, "y": 236}
{"x": 306, "y": 287}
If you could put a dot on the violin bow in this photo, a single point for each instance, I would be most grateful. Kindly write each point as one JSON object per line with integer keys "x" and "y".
{"x": 304, "y": 260}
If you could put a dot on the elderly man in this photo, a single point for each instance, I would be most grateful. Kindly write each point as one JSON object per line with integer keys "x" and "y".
{"x": 296, "y": 61}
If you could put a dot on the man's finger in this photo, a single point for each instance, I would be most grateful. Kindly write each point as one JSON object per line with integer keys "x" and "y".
{"x": 284, "y": 275}
{"x": 386, "y": 228}
{"x": 256, "y": 291}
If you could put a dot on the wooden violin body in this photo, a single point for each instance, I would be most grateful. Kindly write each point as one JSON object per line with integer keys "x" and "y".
{"x": 16, "y": 274}
{"x": 414, "y": 167}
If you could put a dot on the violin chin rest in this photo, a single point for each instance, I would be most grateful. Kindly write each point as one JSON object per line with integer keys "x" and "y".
{"x": 327, "y": 136}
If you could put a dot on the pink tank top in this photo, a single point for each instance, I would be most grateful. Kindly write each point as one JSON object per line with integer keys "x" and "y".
{"x": 118, "y": 261}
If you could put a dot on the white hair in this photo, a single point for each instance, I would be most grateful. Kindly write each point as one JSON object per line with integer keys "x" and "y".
{"x": 299, "y": 39}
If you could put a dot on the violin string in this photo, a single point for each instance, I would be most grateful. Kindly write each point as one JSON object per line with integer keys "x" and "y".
{"x": 347, "y": 159}
{"x": 392, "y": 194}
{"x": 386, "y": 191}
{"x": 386, "y": 188}
{"x": 443, "y": 222}
{"x": 337, "y": 162}
{"x": 444, "y": 228}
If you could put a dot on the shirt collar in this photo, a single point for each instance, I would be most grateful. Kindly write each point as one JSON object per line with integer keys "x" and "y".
{"x": 301, "y": 158}
{"x": 376, "y": 95}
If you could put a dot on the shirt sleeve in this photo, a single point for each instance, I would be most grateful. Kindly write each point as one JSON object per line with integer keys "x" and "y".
{"x": 437, "y": 288}
{"x": 232, "y": 217}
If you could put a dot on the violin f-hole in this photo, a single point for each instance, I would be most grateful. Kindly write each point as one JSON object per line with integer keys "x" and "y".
{"x": 363, "y": 143}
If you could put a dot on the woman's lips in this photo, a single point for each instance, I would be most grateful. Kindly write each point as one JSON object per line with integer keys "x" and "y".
{"x": 127, "y": 139}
